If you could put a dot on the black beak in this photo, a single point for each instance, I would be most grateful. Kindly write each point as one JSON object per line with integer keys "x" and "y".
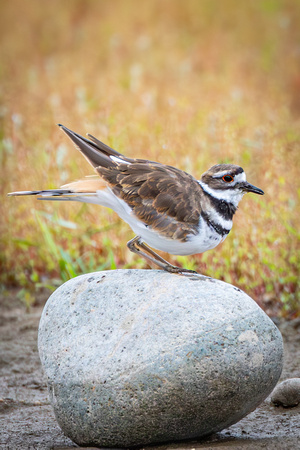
{"x": 247, "y": 187}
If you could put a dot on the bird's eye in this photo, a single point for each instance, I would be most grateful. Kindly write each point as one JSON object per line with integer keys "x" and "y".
{"x": 227, "y": 178}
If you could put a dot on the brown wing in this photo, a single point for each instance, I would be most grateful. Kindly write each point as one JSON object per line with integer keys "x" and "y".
{"x": 163, "y": 197}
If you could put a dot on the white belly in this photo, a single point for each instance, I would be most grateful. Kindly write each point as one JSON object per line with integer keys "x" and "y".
{"x": 207, "y": 239}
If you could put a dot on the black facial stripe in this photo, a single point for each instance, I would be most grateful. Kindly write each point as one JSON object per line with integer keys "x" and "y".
{"x": 218, "y": 228}
{"x": 228, "y": 186}
{"x": 224, "y": 208}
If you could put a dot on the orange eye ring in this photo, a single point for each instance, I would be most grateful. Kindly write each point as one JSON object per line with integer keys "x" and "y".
{"x": 227, "y": 178}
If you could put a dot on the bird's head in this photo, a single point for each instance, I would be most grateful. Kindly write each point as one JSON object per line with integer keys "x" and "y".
{"x": 227, "y": 182}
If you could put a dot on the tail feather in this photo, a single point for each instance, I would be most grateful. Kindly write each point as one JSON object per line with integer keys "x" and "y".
{"x": 48, "y": 192}
{"x": 97, "y": 154}
{"x": 61, "y": 195}
{"x": 88, "y": 186}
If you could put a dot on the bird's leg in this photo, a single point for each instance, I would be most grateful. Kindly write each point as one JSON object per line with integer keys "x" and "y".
{"x": 135, "y": 245}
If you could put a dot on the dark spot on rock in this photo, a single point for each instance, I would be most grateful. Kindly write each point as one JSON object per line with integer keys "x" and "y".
{"x": 102, "y": 279}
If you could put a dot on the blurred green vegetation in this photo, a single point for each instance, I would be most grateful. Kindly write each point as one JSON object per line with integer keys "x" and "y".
{"x": 190, "y": 84}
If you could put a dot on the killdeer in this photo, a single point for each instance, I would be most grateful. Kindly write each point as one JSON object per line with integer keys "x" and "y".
{"x": 167, "y": 208}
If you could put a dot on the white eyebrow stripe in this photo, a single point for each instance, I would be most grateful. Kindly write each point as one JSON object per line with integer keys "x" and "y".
{"x": 220, "y": 174}
{"x": 239, "y": 177}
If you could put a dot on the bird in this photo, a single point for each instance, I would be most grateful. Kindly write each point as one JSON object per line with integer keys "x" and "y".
{"x": 167, "y": 208}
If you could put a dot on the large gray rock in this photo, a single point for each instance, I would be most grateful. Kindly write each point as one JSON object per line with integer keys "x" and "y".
{"x": 136, "y": 357}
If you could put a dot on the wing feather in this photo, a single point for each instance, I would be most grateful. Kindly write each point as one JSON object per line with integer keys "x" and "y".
{"x": 163, "y": 197}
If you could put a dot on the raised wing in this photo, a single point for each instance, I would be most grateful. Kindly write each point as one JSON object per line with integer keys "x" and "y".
{"x": 163, "y": 197}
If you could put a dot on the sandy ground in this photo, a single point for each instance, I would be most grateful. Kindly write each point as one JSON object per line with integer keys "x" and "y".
{"x": 27, "y": 420}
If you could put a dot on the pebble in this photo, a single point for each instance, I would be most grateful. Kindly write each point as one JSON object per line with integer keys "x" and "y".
{"x": 287, "y": 393}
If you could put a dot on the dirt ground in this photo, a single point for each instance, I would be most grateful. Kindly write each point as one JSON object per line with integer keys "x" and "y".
{"x": 27, "y": 420}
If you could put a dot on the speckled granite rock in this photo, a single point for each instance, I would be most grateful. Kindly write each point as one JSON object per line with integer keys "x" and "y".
{"x": 135, "y": 357}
